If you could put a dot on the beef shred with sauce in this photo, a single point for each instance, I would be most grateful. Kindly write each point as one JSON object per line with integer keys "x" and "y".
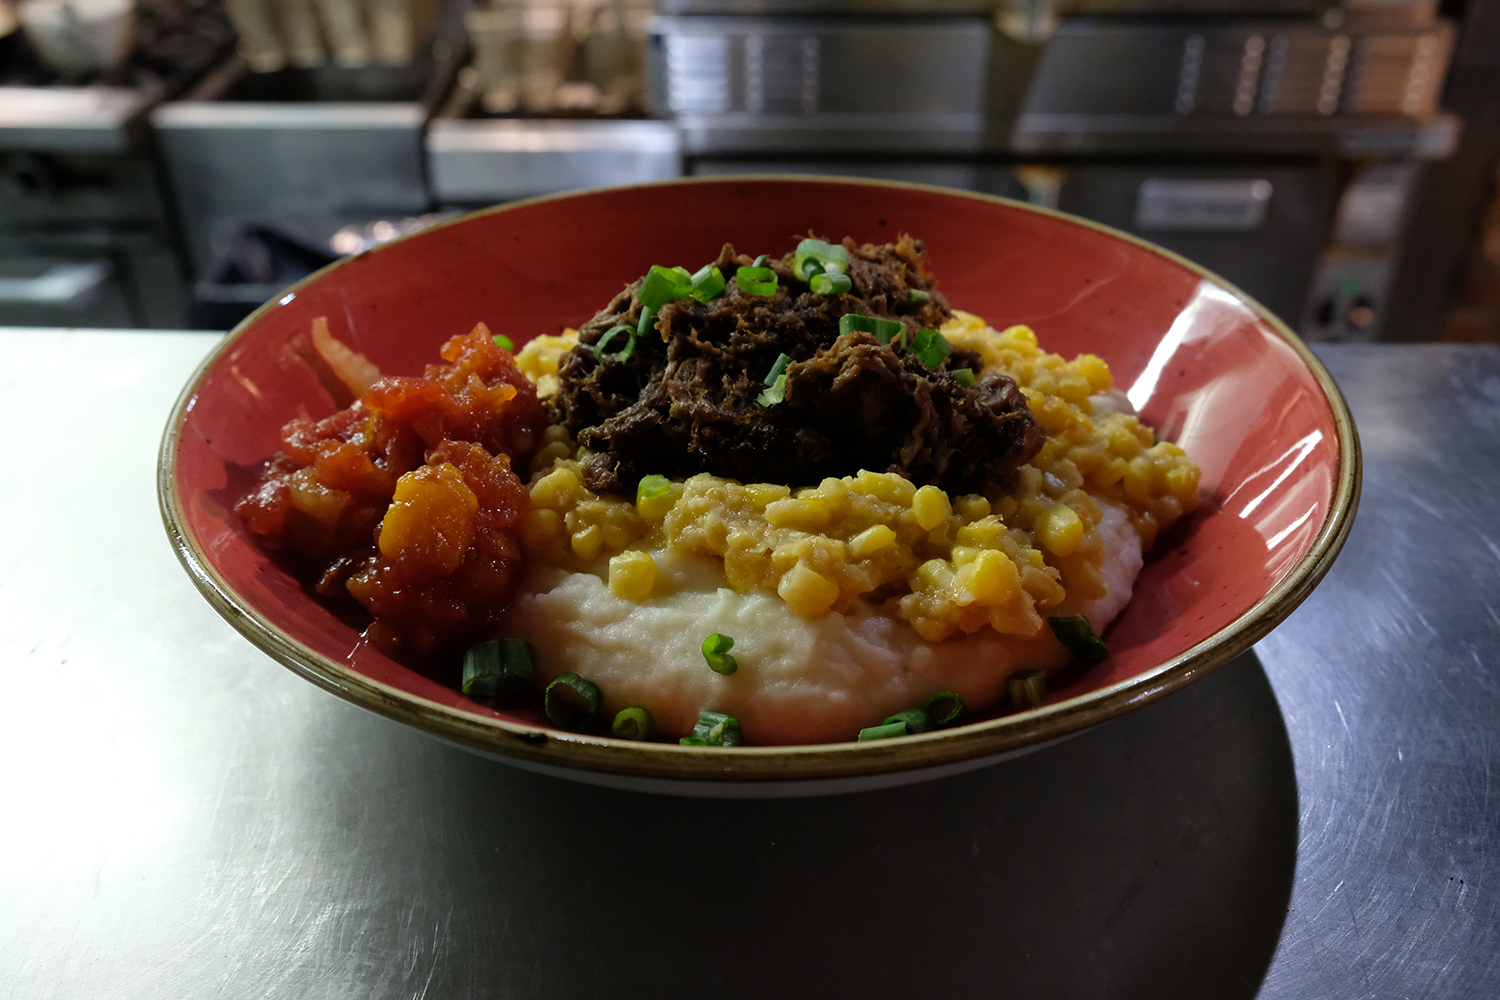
{"x": 686, "y": 401}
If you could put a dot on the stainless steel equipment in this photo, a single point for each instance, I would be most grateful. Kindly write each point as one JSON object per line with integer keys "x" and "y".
{"x": 481, "y": 161}
{"x": 820, "y": 85}
{"x": 298, "y": 149}
{"x": 1222, "y": 130}
{"x": 85, "y": 232}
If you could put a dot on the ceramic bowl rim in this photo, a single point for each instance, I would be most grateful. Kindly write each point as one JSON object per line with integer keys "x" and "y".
{"x": 815, "y": 762}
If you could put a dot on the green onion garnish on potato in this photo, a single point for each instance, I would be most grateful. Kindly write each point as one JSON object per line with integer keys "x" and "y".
{"x": 572, "y": 702}
{"x": 715, "y": 729}
{"x": 914, "y": 719}
{"x": 716, "y": 651}
{"x": 1028, "y": 688}
{"x": 1075, "y": 632}
{"x": 884, "y": 731}
{"x": 944, "y": 709}
{"x": 497, "y": 668}
{"x": 633, "y": 723}
{"x": 504, "y": 342}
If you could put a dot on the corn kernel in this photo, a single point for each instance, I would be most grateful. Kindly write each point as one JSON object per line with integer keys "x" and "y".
{"x": 558, "y": 488}
{"x": 931, "y": 507}
{"x": 1019, "y": 338}
{"x": 807, "y": 592}
{"x": 1138, "y": 475}
{"x": 885, "y": 486}
{"x": 1060, "y": 530}
{"x": 1093, "y": 368}
{"x": 993, "y": 578}
{"x": 984, "y": 533}
{"x": 871, "y": 540}
{"x": 588, "y": 542}
{"x": 761, "y": 494}
{"x": 1182, "y": 480}
{"x": 807, "y": 514}
{"x": 935, "y": 574}
{"x": 657, "y": 507}
{"x": 632, "y": 575}
{"x": 962, "y": 555}
{"x": 971, "y": 506}
{"x": 1075, "y": 389}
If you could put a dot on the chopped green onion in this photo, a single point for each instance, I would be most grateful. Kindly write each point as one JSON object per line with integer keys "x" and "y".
{"x": 761, "y": 260}
{"x": 775, "y": 394}
{"x": 964, "y": 377}
{"x": 707, "y": 283}
{"x": 915, "y": 720}
{"x": 663, "y": 284}
{"x": 652, "y": 486}
{"x": 633, "y": 723}
{"x": 572, "y": 702}
{"x": 1075, "y": 632}
{"x": 882, "y": 732}
{"x": 930, "y": 347}
{"x": 782, "y": 360}
{"x": 849, "y": 322}
{"x": 917, "y": 295}
{"x": 885, "y": 330}
{"x": 756, "y": 280}
{"x": 498, "y": 667}
{"x": 944, "y": 709}
{"x": 609, "y": 335}
{"x": 505, "y": 342}
{"x": 643, "y": 326}
{"x": 715, "y": 729}
{"x": 889, "y": 331}
{"x": 831, "y": 283}
{"x": 827, "y": 257}
{"x": 716, "y": 651}
{"x": 1028, "y": 688}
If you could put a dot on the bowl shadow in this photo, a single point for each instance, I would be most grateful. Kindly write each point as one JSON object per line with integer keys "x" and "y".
{"x": 1152, "y": 856}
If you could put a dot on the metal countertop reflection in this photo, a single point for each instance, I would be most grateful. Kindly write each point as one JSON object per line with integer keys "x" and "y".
{"x": 183, "y": 818}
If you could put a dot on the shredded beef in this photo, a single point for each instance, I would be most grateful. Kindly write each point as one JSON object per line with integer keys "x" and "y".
{"x": 686, "y": 402}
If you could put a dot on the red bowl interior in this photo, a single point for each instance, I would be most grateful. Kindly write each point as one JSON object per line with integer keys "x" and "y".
{"x": 1199, "y": 362}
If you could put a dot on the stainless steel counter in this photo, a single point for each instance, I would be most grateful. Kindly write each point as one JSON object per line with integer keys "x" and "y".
{"x": 182, "y": 818}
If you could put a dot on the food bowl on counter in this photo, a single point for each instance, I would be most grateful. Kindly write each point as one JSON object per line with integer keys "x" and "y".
{"x": 1209, "y": 368}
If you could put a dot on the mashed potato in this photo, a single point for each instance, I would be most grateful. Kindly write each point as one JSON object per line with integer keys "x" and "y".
{"x": 857, "y": 598}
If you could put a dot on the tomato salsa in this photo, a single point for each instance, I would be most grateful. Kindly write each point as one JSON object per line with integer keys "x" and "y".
{"x": 407, "y": 502}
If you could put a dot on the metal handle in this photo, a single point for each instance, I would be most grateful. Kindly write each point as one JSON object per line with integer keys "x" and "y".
{"x": 1164, "y": 203}
{"x": 68, "y": 285}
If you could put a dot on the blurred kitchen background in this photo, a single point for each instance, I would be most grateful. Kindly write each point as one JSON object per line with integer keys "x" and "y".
{"x": 173, "y": 163}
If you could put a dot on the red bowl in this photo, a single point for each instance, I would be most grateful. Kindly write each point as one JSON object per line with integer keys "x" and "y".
{"x": 1207, "y": 366}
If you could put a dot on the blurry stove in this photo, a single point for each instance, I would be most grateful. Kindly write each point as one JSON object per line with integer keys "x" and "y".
{"x": 1226, "y": 130}
{"x": 86, "y": 237}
